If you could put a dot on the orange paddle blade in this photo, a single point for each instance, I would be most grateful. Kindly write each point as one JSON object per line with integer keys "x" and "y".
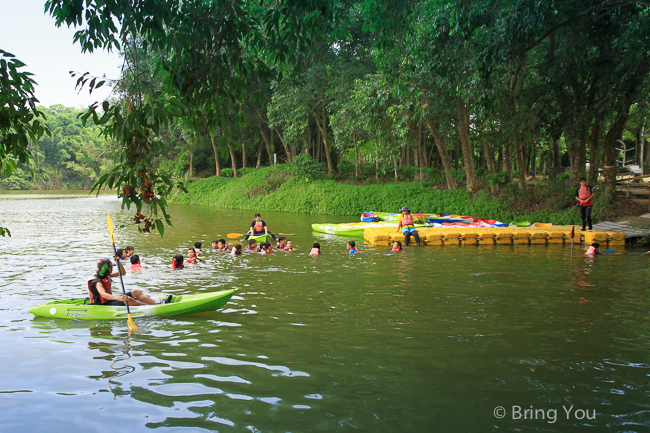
{"x": 131, "y": 324}
{"x": 234, "y": 235}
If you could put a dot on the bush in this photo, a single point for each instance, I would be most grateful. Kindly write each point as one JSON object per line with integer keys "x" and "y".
{"x": 305, "y": 168}
{"x": 227, "y": 172}
{"x": 498, "y": 179}
{"x": 346, "y": 169}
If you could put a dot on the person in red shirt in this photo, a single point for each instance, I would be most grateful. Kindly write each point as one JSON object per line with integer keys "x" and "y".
{"x": 584, "y": 195}
{"x": 135, "y": 264}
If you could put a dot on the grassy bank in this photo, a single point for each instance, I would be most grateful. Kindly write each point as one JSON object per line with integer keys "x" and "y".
{"x": 268, "y": 189}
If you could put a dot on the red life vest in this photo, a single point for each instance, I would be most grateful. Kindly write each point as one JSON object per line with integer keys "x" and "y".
{"x": 584, "y": 193}
{"x": 314, "y": 251}
{"x": 93, "y": 293}
{"x": 259, "y": 227}
{"x": 136, "y": 267}
{"x": 181, "y": 266}
{"x": 395, "y": 250}
{"x": 280, "y": 247}
{"x": 191, "y": 259}
{"x": 407, "y": 220}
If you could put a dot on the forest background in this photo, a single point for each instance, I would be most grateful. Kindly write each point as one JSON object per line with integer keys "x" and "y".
{"x": 470, "y": 95}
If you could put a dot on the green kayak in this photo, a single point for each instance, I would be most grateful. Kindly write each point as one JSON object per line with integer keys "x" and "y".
{"x": 261, "y": 238}
{"x": 183, "y": 304}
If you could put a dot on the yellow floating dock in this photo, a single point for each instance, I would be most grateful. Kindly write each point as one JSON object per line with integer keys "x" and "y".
{"x": 385, "y": 236}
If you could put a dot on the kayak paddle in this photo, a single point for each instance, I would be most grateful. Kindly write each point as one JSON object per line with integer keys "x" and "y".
{"x": 130, "y": 323}
{"x": 238, "y": 235}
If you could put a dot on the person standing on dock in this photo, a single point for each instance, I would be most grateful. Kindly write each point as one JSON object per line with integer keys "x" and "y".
{"x": 407, "y": 225}
{"x": 584, "y": 195}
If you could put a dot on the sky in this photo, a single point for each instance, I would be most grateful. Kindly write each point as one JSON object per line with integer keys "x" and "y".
{"x": 49, "y": 53}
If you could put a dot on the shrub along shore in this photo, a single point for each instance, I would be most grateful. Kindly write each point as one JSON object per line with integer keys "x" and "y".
{"x": 268, "y": 189}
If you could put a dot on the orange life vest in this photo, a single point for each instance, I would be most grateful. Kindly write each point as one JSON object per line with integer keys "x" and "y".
{"x": 259, "y": 227}
{"x": 407, "y": 220}
{"x": 93, "y": 293}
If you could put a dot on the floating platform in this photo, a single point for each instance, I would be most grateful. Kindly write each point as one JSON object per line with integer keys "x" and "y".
{"x": 496, "y": 235}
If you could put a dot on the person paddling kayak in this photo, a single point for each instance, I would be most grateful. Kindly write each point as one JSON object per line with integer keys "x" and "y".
{"x": 407, "y": 225}
{"x": 258, "y": 227}
{"x": 100, "y": 293}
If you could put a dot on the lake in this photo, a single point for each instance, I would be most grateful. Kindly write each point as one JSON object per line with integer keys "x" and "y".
{"x": 445, "y": 339}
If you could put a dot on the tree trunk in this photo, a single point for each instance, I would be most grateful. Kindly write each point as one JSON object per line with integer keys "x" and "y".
{"x": 376, "y": 159}
{"x": 609, "y": 148}
{"x": 215, "y": 149}
{"x": 284, "y": 144}
{"x": 594, "y": 156}
{"x": 442, "y": 151}
{"x": 489, "y": 155}
{"x": 468, "y": 154}
{"x": 259, "y": 156}
{"x": 507, "y": 159}
{"x": 243, "y": 155}
{"x": 395, "y": 166}
{"x": 519, "y": 158}
{"x": 640, "y": 142}
{"x": 267, "y": 144}
{"x": 233, "y": 161}
{"x": 317, "y": 151}
{"x": 557, "y": 152}
{"x": 326, "y": 147}
{"x": 356, "y": 156}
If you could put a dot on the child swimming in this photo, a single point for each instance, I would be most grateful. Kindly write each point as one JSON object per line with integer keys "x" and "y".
{"x": 177, "y": 262}
{"x": 282, "y": 243}
{"x": 129, "y": 251}
{"x": 289, "y": 246}
{"x": 352, "y": 247}
{"x": 215, "y": 245}
{"x": 252, "y": 246}
{"x": 135, "y": 263}
{"x": 236, "y": 250}
{"x": 122, "y": 255}
{"x": 197, "y": 248}
{"x": 593, "y": 250}
{"x": 397, "y": 246}
{"x": 315, "y": 250}
{"x": 191, "y": 255}
{"x": 222, "y": 245}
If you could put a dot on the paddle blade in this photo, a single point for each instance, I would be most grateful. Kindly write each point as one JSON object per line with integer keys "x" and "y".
{"x": 286, "y": 234}
{"x": 234, "y": 235}
{"x": 573, "y": 232}
{"x": 110, "y": 227}
{"x": 131, "y": 324}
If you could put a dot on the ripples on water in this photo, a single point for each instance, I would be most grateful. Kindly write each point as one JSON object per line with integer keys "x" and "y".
{"x": 431, "y": 339}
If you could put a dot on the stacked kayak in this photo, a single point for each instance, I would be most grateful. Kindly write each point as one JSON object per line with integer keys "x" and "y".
{"x": 349, "y": 229}
{"x": 183, "y": 304}
{"x": 353, "y": 229}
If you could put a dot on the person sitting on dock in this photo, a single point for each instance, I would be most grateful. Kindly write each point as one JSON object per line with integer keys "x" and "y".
{"x": 100, "y": 293}
{"x": 584, "y": 195}
{"x": 258, "y": 227}
{"x": 407, "y": 226}
{"x": 352, "y": 247}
